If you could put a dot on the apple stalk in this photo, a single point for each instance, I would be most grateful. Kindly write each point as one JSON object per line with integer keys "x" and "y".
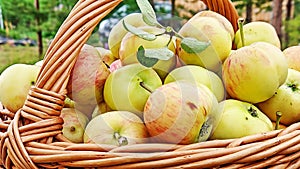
{"x": 241, "y": 24}
{"x": 122, "y": 141}
{"x": 278, "y": 116}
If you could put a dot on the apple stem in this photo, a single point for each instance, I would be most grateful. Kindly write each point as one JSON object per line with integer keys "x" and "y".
{"x": 241, "y": 24}
{"x": 278, "y": 116}
{"x": 146, "y": 87}
{"x": 122, "y": 141}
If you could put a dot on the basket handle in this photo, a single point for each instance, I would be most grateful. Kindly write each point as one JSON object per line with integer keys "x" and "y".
{"x": 225, "y": 8}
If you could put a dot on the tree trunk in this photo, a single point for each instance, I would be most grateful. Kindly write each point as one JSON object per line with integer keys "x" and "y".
{"x": 287, "y": 18}
{"x": 39, "y": 31}
{"x": 249, "y": 11}
{"x": 276, "y": 20}
{"x": 173, "y": 7}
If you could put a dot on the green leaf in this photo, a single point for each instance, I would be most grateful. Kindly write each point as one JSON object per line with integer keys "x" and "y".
{"x": 148, "y": 12}
{"x": 159, "y": 53}
{"x": 138, "y": 32}
{"x": 146, "y": 61}
{"x": 192, "y": 45}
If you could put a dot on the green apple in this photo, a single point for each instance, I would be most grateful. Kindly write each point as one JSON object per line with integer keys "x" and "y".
{"x": 198, "y": 75}
{"x": 239, "y": 119}
{"x": 116, "y": 128}
{"x": 286, "y": 100}
{"x": 257, "y": 31}
{"x": 15, "y": 82}
{"x": 74, "y": 124}
{"x": 293, "y": 58}
{"x": 106, "y": 56}
{"x": 254, "y": 73}
{"x": 87, "y": 79}
{"x": 129, "y": 87}
{"x": 118, "y": 31}
{"x": 206, "y": 29}
{"x": 176, "y": 112}
{"x": 131, "y": 43}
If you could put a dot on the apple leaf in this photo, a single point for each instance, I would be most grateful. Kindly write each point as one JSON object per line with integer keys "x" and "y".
{"x": 148, "y": 12}
{"x": 192, "y": 45}
{"x": 159, "y": 53}
{"x": 146, "y": 61}
{"x": 138, "y": 32}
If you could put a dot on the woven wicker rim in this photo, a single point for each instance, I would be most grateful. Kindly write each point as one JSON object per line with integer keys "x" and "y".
{"x": 33, "y": 138}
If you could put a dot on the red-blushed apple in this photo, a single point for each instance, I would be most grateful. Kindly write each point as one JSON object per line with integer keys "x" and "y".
{"x": 251, "y": 74}
{"x": 129, "y": 87}
{"x": 131, "y": 43}
{"x": 87, "y": 79}
{"x": 257, "y": 31}
{"x": 15, "y": 82}
{"x": 198, "y": 75}
{"x": 239, "y": 119}
{"x": 106, "y": 55}
{"x": 206, "y": 29}
{"x": 115, "y": 65}
{"x": 292, "y": 55}
{"x": 74, "y": 124}
{"x": 176, "y": 112}
{"x": 118, "y": 31}
{"x": 116, "y": 128}
{"x": 285, "y": 100}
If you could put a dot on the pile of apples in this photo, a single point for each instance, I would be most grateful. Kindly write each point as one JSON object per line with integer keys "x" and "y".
{"x": 217, "y": 84}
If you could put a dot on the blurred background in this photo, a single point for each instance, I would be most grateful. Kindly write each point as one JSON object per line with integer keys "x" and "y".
{"x": 27, "y": 26}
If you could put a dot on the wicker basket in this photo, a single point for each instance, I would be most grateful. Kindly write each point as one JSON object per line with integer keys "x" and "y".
{"x": 32, "y": 137}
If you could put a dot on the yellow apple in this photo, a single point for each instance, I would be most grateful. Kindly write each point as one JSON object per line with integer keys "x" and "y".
{"x": 15, "y": 82}
{"x": 292, "y": 55}
{"x": 253, "y": 73}
{"x": 207, "y": 29}
{"x": 116, "y": 128}
{"x": 130, "y": 44}
{"x": 118, "y": 31}
{"x": 257, "y": 31}
{"x": 176, "y": 113}
{"x": 239, "y": 119}
{"x": 198, "y": 75}
{"x": 106, "y": 55}
{"x": 74, "y": 124}
{"x": 286, "y": 100}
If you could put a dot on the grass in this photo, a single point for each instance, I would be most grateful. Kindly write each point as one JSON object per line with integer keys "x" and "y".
{"x": 29, "y": 55}
{"x": 10, "y": 55}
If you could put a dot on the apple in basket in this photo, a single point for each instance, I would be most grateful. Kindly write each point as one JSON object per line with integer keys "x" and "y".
{"x": 106, "y": 56}
{"x": 74, "y": 124}
{"x": 118, "y": 31}
{"x": 15, "y": 82}
{"x": 257, "y": 31}
{"x": 198, "y": 75}
{"x": 292, "y": 55}
{"x": 181, "y": 113}
{"x": 130, "y": 46}
{"x": 286, "y": 100}
{"x": 116, "y": 128}
{"x": 239, "y": 119}
{"x": 85, "y": 86}
{"x": 210, "y": 30}
{"x": 129, "y": 87}
{"x": 115, "y": 65}
{"x": 253, "y": 73}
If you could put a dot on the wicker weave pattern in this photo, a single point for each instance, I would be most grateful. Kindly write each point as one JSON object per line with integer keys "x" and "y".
{"x": 32, "y": 137}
